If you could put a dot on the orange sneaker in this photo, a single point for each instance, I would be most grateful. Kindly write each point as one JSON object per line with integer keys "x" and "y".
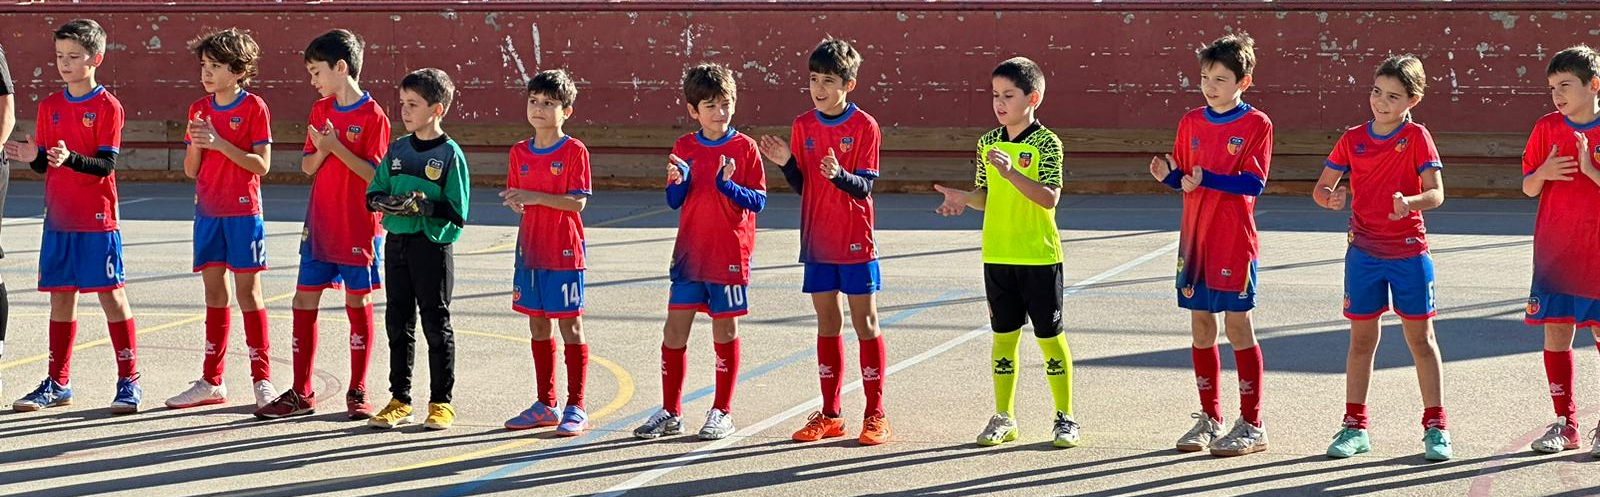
{"x": 819, "y": 427}
{"x": 874, "y": 430}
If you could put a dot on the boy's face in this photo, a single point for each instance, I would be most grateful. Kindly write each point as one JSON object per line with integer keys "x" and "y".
{"x": 714, "y": 115}
{"x": 416, "y": 113}
{"x": 1389, "y": 100}
{"x": 216, "y": 76}
{"x": 828, "y": 91}
{"x": 326, "y": 77}
{"x": 545, "y": 112}
{"x": 1220, "y": 86}
{"x": 1571, "y": 95}
{"x": 1012, "y": 106}
{"x": 74, "y": 62}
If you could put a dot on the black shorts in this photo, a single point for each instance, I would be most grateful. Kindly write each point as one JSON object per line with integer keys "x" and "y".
{"x": 1018, "y": 294}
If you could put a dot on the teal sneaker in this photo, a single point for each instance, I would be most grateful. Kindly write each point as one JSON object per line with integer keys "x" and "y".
{"x": 1349, "y": 442}
{"x": 1435, "y": 445}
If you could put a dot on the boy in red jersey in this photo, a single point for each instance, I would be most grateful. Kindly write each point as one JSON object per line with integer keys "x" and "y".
{"x": 831, "y": 160}
{"x": 715, "y": 180}
{"x": 339, "y": 248}
{"x": 1558, "y": 166}
{"x": 548, "y": 184}
{"x": 1220, "y": 162}
{"x": 1394, "y": 175}
{"x": 78, "y": 136}
{"x": 229, "y": 147}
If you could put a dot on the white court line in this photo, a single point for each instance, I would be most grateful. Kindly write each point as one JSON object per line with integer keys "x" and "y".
{"x": 706, "y": 450}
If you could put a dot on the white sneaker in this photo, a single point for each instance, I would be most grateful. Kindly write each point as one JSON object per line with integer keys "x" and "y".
{"x": 1198, "y": 438}
{"x": 662, "y": 423}
{"x": 200, "y": 392}
{"x": 1001, "y": 429}
{"x": 265, "y": 392}
{"x": 1066, "y": 431}
{"x": 1244, "y": 438}
{"x": 1560, "y": 436}
{"x": 718, "y": 425}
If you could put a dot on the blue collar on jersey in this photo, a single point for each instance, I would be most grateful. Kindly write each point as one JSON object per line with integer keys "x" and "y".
{"x": 225, "y": 108}
{"x": 1229, "y": 116}
{"x": 701, "y": 137}
{"x": 364, "y": 98}
{"x": 1378, "y": 138}
{"x": 1575, "y": 126}
{"x": 849, "y": 109}
{"x": 547, "y": 151}
{"x": 85, "y": 98}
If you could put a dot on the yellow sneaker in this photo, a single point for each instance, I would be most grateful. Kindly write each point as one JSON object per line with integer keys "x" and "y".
{"x": 440, "y": 417}
{"x": 395, "y": 414}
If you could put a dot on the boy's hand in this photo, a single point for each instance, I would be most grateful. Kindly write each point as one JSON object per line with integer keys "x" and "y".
{"x": 775, "y": 150}
{"x": 517, "y": 199}
{"x": 22, "y": 151}
{"x": 1401, "y": 207}
{"x": 830, "y": 165}
{"x": 1000, "y": 160}
{"x": 1337, "y": 197}
{"x": 1585, "y": 154}
{"x": 955, "y": 201}
{"x": 1192, "y": 180}
{"x": 1160, "y": 167}
{"x": 676, "y": 169}
{"x": 1556, "y": 168}
{"x": 201, "y": 133}
{"x": 727, "y": 168}
{"x": 324, "y": 139}
{"x": 57, "y": 155}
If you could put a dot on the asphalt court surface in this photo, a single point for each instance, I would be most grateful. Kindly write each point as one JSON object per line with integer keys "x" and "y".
{"x": 1134, "y": 386}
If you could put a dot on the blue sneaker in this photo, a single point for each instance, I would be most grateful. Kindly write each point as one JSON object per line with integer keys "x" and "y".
{"x": 49, "y": 394}
{"x": 1436, "y": 445}
{"x": 128, "y": 395}
{"x": 1349, "y": 442}
{"x": 574, "y": 421}
{"x": 536, "y": 416}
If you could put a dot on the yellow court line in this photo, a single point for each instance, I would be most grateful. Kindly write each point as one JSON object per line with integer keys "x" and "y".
{"x": 193, "y": 318}
{"x": 602, "y": 224}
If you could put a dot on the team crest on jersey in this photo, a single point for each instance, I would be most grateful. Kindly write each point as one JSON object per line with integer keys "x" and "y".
{"x": 88, "y": 119}
{"x": 1400, "y": 146}
{"x": 1025, "y": 159}
{"x": 1234, "y": 144}
{"x": 1361, "y": 149}
{"x": 811, "y": 144}
{"x": 555, "y": 168}
{"x": 234, "y": 122}
{"x": 55, "y": 118}
{"x": 1188, "y": 292}
{"x": 352, "y": 133}
{"x": 845, "y": 143}
{"x": 523, "y": 169}
{"x": 1533, "y": 305}
{"x": 1596, "y": 153}
{"x": 394, "y": 165}
{"x": 434, "y": 170}
{"x": 1194, "y": 144}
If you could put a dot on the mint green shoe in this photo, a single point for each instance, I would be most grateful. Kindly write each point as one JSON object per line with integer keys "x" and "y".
{"x": 1352, "y": 441}
{"x": 1435, "y": 445}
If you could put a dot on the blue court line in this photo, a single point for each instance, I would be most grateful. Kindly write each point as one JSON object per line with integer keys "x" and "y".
{"x": 621, "y": 424}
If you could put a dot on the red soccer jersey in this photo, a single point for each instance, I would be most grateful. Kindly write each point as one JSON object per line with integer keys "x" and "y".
{"x": 1218, "y": 238}
{"x": 715, "y": 235}
{"x": 835, "y": 228}
{"x": 1566, "y": 234}
{"x": 223, "y": 189}
{"x": 1378, "y": 167}
{"x": 74, "y": 201}
{"x": 550, "y": 239}
{"x": 338, "y": 225}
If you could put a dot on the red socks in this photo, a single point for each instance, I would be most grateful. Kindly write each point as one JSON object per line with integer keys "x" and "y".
{"x": 62, "y": 335}
{"x": 1559, "y": 370}
{"x": 304, "y": 349}
{"x": 830, "y": 362}
{"x": 216, "y": 344}
{"x": 255, "y": 337}
{"x": 577, "y": 372}
{"x": 727, "y": 374}
{"x": 1355, "y": 416}
{"x": 126, "y": 347}
{"x": 1433, "y": 417}
{"x": 1250, "y": 370}
{"x": 544, "y": 370}
{"x": 1207, "y": 370}
{"x": 360, "y": 345}
{"x": 674, "y": 364}
{"x": 873, "y": 358}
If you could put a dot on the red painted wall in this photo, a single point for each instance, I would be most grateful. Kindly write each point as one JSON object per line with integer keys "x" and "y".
{"x": 1115, "y": 64}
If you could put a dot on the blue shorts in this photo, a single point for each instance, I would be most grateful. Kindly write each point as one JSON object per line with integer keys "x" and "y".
{"x": 1551, "y": 307}
{"x": 547, "y": 293}
{"x": 80, "y": 262}
{"x": 238, "y": 243}
{"x": 1199, "y": 297}
{"x": 852, "y": 279}
{"x": 316, "y": 276}
{"x": 715, "y": 299}
{"x": 1369, "y": 282}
